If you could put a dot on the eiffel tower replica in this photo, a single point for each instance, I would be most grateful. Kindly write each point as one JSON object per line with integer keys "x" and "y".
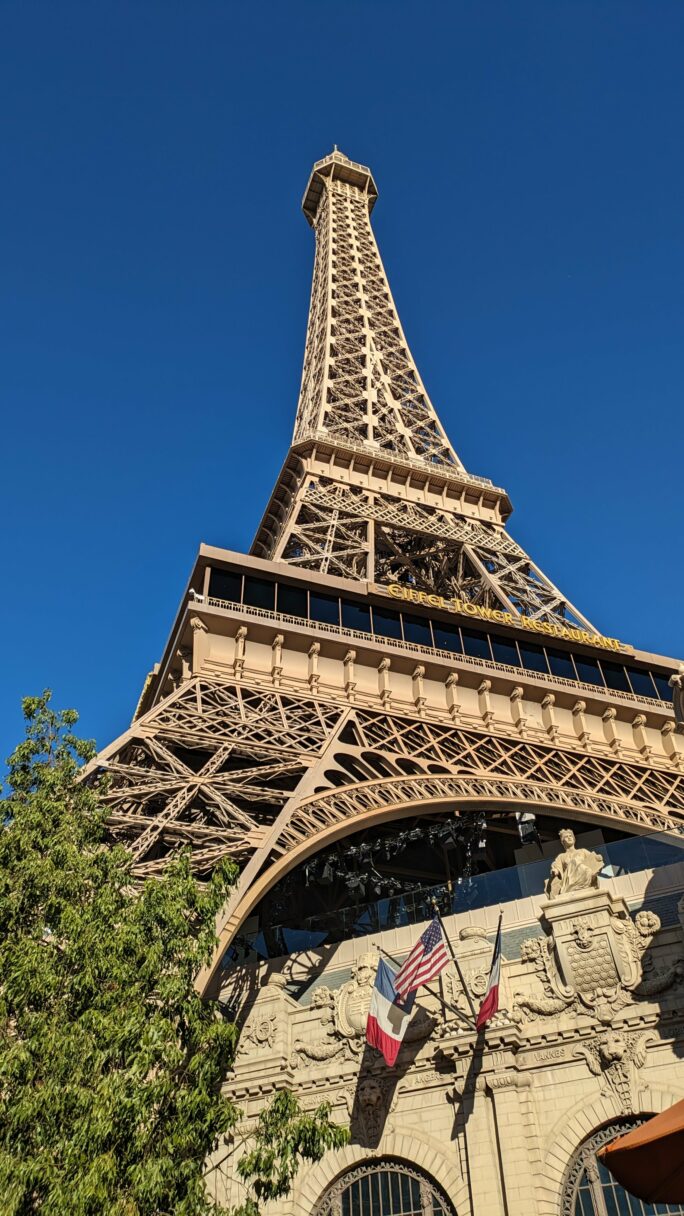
{"x": 386, "y": 653}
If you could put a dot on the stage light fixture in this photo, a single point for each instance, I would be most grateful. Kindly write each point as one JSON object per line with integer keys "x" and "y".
{"x": 527, "y": 828}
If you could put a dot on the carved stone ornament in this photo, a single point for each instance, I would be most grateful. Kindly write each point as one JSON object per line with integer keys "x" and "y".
{"x": 594, "y": 958}
{"x": 374, "y": 1100}
{"x": 574, "y": 869}
{"x": 617, "y": 1057}
{"x": 258, "y": 1032}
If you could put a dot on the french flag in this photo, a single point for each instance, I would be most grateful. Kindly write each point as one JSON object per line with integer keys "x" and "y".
{"x": 490, "y": 1001}
{"x": 387, "y": 1019}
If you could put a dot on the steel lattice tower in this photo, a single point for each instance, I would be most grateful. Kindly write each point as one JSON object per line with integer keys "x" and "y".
{"x": 333, "y": 678}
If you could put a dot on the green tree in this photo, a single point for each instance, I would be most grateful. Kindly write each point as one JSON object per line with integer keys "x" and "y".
{"x": 110, "y": 1063}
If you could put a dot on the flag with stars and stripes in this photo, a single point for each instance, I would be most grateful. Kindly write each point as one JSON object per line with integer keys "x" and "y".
{"x": 428, "y": 957}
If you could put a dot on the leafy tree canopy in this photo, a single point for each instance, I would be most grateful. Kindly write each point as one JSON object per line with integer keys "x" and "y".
{"x": 110, "y": 1063}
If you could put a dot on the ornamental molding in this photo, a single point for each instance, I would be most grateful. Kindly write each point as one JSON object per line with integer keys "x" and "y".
{"x": 616, "y": 1058}
{"x": 594, "y": 959}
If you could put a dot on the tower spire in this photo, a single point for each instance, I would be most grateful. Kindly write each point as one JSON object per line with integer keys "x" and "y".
{"x": 360, "y": 383}
{"x": 372, "y": 488}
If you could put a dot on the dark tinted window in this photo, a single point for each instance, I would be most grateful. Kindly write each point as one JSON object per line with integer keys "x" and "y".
{"x": 324, "y": 608}
{"x": 355, "y": 615}
{"x": 561, "y": 663}
{"x": 476, "y": 643}
{"x": 533, "y": 657}
{"x": 386, "y": 622}
{"x": 588, "y": 670}
{"x": 417, "y": 629}
{"x": 615, "y": 676}
{"x": 447, "y": 637}
{"x": 292, "y": 600}
{"x": 505, "y": 651}
{"x": 259, "y": 593}
{"x": 661, "y": 683}
{"x": 642, "y": 684}
{"x": 225, "y": 585}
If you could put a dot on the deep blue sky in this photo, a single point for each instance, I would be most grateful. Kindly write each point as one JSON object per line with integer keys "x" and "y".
{"x": 156, "y": 272}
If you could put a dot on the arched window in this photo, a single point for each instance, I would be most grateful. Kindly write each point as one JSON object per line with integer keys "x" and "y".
{"x": 590, "y": 1190}
{"x": 384, "y": 1188}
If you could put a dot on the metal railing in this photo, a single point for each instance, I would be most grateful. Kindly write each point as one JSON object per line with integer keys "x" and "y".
{"x": 414, "y": 648}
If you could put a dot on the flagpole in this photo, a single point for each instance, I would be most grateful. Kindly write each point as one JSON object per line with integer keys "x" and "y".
{"x": 454, "y": 960}
{"x": 496, "y": 941}
{"x": 440, "y": 998}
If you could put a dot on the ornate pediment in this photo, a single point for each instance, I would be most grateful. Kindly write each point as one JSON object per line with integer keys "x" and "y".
{"x": 595, "y": 957}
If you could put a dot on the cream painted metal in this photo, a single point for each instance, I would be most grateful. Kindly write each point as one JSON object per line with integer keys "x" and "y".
{"x": 251, "y": 716}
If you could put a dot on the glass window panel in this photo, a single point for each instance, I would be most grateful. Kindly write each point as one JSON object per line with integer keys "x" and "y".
{"x": 377, "y": 1207}
{"x": 324, "y": 608}
{"x": 476, "y": 644}
{"x": 589, "y": 1204}
{"x": 642, "y": 684}
{"x": 505, "y": 650}
{"x": 356, "y": 615}
{"x": 259, "y": 593}
{"x": 225, "y": 585}
{"x": 447, "y": 637}
{"x": 385, "y": 1178}
{"x": 417, "y": 629}
{"x": 615, "y": 676}
{"x": 588, "y": 670}
{"x": 533, "y": 657}
{"x": 609, "y": 1200}
{"x": 386, "y": 622}
{"x": 292, "y": 600}
{"x": 416, "y": 1205}
{"x": 661, "y": 683}
{"x": 561, "y": 664}
{"x": 356, "y": 1200}
{"x": 585, "y": 1206}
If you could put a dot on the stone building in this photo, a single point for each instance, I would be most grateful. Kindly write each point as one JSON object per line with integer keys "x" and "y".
{"x": 385, "y": 704}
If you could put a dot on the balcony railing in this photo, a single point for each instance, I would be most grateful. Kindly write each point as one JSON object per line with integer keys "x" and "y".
{"x": 395, "y": 644}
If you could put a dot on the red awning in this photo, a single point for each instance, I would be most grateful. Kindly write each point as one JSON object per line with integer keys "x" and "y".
{"x": 649, "y": 1161}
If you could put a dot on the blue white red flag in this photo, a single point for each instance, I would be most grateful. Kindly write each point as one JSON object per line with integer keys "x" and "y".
{"x": 428, "y": 957}
{"x": 387, "y": 1019}
{"x": 490, "y": 1000}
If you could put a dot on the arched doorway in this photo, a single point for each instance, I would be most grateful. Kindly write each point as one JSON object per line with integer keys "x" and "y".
{"x": 384, "y": 1188}
{"x": 589, "y": 1189}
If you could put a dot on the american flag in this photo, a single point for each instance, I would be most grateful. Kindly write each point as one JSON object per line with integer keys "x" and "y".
{"x": 426, "y": 960}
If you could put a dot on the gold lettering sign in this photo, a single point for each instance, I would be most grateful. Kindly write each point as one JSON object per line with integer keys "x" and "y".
{"x": 412, "y": 596}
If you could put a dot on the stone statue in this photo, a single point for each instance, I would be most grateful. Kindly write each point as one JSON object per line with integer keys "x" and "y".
{"x": 677, "y": 685}
{"x": 573, "y": 869}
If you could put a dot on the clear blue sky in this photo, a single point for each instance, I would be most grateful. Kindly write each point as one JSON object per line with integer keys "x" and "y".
{"x": 156, "y": 272}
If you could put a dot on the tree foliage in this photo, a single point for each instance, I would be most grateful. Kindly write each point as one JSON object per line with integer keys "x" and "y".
{"x": 110, "y": 1063}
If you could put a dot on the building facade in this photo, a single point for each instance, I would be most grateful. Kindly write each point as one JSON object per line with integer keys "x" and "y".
{"x": 385, "y": 704}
